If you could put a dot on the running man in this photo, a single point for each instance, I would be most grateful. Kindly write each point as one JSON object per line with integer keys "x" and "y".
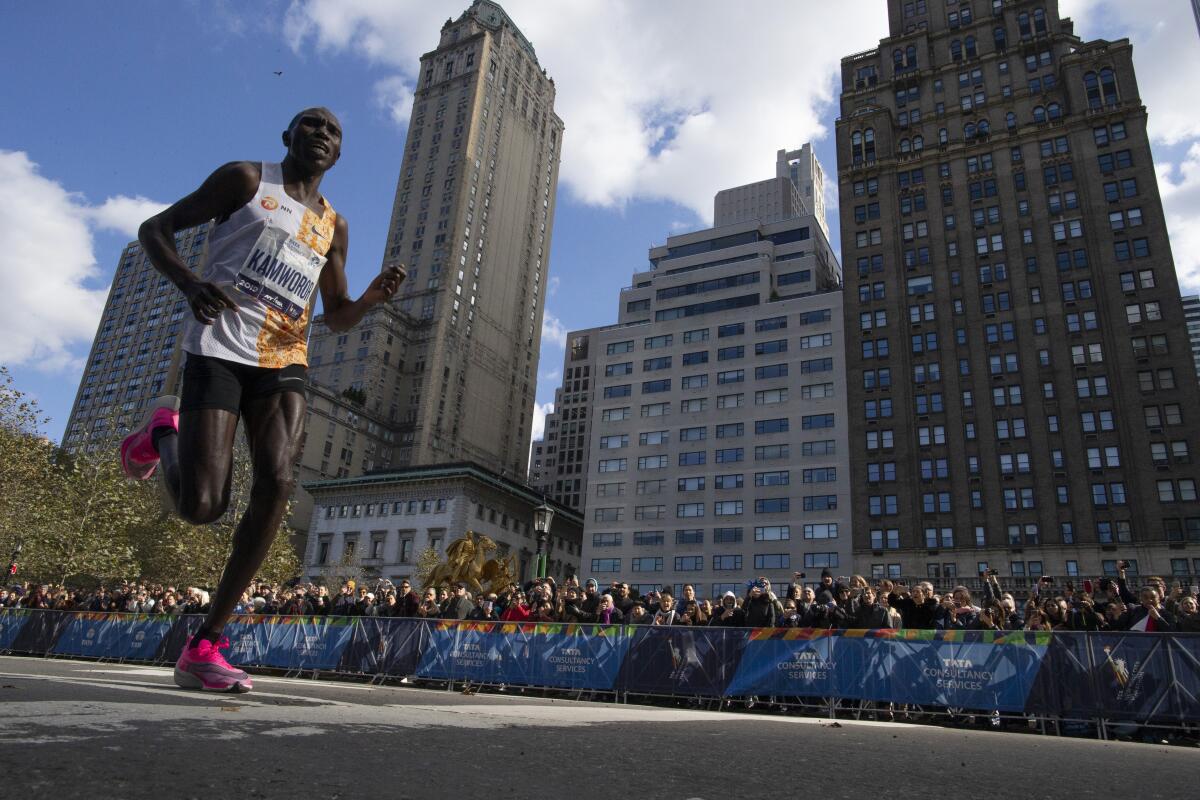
{"x": 276, "y": 240}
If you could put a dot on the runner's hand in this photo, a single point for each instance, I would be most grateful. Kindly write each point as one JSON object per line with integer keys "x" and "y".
{"x": 207, "y": 301}
{"x": 386, "y": 283}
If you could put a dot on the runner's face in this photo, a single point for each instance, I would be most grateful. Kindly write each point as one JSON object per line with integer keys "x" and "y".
{"x": 315, "y": 139}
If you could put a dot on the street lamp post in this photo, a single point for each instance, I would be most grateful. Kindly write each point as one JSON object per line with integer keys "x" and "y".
{"x": 543, "y": 515}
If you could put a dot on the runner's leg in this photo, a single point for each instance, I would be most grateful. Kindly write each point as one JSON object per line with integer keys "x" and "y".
{"x": 274, "y": 425}
{"x": 197, "y": 462}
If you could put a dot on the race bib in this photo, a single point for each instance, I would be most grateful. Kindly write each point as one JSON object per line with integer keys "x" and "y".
{"x": 281, "y": 272}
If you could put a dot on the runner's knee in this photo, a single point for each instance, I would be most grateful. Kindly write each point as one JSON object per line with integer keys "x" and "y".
{"x": 202, "y": 508}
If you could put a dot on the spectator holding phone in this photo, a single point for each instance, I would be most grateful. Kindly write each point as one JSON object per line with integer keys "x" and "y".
{"x": 428, "y": 608}
{"x": 727, "y": 614}
{"x": 843, "y": 611}
{"x": 958, "y": 613}
{"x": 917, "y": 607}
{"x": 544, "y": 612}
{"x": 484, "y": 610}
{"x": 608, "y": 613}
{"x": 1127, "y": 597}
{"x": 991, "y": 617}
{"x": 760, "y": 605}
{"x": 517, "y": 609}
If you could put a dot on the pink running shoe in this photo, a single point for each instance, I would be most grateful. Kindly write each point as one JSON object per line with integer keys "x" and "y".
{"x": 202, "y": 666}
{"x": 138, "y": 456}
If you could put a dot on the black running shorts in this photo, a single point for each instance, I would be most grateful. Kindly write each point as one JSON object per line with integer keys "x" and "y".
{"x": 216, "y": 383}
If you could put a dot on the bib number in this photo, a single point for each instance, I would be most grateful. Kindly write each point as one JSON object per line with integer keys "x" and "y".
{"x": 281, "y": 272}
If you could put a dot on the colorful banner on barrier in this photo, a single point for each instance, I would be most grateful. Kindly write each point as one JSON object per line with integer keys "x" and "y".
{"x": 381, "y": 647}
{"x": 11, "y": 622}
{"x": 288, "y": 642}
{"x": 682, "y": 660}
{"x": 958, "y": 669}
{"x": 1133, "y": 676}
{"x": 96, "y": 635}
{"x": 40, "y": 631}
{"x": 526, "y": 654}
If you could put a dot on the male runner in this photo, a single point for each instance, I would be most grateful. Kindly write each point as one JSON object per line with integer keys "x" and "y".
{"x": 276, "y": 239}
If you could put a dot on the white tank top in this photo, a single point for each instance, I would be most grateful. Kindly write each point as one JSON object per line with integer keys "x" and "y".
{"x": 267, "y": 257}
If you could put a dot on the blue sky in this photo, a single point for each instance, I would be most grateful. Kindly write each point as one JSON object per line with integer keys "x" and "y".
{"x": 116, "y": 108}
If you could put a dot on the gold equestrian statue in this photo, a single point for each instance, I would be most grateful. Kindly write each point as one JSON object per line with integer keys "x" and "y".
{"x": 467, "y": 561}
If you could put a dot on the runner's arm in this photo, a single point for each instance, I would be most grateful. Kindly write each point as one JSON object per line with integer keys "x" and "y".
{"x": 342, "y": 313}
{"x": 229, "y": 188}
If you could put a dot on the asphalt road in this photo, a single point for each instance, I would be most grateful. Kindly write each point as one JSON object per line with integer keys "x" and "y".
{"x": 81, "y": 729}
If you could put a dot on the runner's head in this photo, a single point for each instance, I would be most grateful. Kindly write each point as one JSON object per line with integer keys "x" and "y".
{"x": 314, "y": 139}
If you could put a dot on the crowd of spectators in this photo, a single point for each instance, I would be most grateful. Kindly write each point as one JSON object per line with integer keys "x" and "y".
{"x": 844, "y": 602}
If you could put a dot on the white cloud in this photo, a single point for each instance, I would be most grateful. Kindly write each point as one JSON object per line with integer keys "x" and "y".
{"x": 123, "y": 214}
{"x": 1180, "y": 187}
{"x": 669, "y": 100}
{"x": 540, "y": 410}
{"x": 47, "y": 262}
{"x": 395, "y": 96}
{"x": 553, "y": 331}
{"x": 1163, "y": 33}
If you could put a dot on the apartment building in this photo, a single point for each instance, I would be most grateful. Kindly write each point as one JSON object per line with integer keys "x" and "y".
{"x": 1023, "y": 392}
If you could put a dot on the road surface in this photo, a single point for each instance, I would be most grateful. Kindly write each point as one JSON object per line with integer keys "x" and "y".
{"x": 82, "y": 729}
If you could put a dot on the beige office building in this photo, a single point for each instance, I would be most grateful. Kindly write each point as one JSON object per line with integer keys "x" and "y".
{"x": 448, "y": 371}
{"x": 452, "y": 369}
{"x": 715, "y": 448}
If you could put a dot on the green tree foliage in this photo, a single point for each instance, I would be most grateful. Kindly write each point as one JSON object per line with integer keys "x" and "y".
{"x": 83, "y": 536}
{"x": 81, "y": 521}
{"x": 26, "y": 463}
{"x": 427, "y": 561}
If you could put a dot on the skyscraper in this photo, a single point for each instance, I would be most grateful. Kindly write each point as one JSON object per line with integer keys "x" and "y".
{"x": 713, "y": 427}
{"x": 452, "y": 367}
{"x": 808, "y": 176}
{"x": 1022, "y": 390}
{"x": 558, "y": 465}
{"x": 130, "y": 360}
{"x": 1191, "y": 313}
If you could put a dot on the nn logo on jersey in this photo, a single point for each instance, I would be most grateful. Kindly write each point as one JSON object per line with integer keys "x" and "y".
{"x": 269, "y": 203}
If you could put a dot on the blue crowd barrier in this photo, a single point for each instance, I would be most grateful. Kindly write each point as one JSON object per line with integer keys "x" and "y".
{"x": 1114, "y": 676}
